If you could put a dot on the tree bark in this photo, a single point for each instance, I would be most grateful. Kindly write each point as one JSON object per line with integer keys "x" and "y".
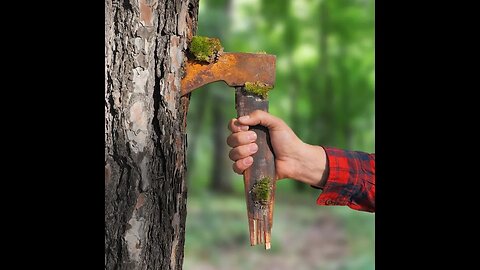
{"x": 145, "y": 138}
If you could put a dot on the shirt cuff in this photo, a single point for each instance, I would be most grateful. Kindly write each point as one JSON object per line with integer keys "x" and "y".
{"x": 337, "y": 190}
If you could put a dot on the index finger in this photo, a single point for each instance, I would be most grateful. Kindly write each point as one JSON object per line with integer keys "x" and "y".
{"x": 234, "y": 126}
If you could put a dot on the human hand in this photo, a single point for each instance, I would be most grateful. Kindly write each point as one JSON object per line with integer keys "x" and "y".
{"x": 293, "y": 158}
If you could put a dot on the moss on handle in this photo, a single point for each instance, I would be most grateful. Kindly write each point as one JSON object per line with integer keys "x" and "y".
{"x": 261, "y": 191}
{"x": 205, "y": 48}
{"x": 258, "y": 88}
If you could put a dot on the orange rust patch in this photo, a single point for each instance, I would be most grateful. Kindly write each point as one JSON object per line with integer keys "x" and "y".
{"x": 233, "y": 68}
{"x": 146, "y": 13}
{"x": 140, "y": 201}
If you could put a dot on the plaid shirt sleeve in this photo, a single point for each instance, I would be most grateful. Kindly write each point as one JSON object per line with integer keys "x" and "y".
{"x": 351, "y": 180}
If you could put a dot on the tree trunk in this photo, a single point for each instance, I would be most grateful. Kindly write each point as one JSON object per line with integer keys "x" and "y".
{"x": 323, "y": 134}
{"x": 195, "y": 127}
{"x": 221, "y": 174}
{"x": 145, "y": 139}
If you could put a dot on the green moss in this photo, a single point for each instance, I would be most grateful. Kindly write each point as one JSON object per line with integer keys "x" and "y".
{"x": 261, "y": 191}
{"x": 205, "y": 48}
{"x": 258, "y": 88}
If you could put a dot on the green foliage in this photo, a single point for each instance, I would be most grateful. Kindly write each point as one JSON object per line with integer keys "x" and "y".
{"x": 258, "y": 88}
{"x": 205, "y": 48}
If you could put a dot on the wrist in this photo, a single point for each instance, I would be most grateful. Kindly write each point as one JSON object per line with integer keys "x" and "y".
{"x": 312, "y": 166}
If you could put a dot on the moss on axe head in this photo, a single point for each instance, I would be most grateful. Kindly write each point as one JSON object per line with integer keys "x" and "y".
{"x": 208, "y": 63}
{"x": 205, "y": 48}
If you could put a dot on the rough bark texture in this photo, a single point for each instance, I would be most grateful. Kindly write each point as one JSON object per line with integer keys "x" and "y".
{"x": 145, "y": 138}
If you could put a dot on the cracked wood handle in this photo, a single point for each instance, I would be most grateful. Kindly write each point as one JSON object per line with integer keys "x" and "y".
{"x": 260, "y": 212}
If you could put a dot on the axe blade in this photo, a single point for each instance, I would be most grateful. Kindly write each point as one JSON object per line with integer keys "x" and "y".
{"x": 235, "y": 69}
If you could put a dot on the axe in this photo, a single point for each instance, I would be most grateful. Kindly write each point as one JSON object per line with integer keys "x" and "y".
{"x": 252, "y": 75}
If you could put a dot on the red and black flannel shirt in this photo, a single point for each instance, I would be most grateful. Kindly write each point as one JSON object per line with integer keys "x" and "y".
{"x": 351, "y": 180}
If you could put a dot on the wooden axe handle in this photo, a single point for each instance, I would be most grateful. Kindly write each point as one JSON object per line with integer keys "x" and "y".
{"x": 259, "y": 179}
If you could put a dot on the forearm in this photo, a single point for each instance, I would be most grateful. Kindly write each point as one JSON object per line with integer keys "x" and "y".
{"x": 311, "y": 165}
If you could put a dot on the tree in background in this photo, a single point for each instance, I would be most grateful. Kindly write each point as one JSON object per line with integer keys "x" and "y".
{"x": 145, "y": 132}
{"x": 215, "y": 110}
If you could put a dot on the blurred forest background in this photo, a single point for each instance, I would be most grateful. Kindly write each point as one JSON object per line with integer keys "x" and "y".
{"x": 325, "y": 91}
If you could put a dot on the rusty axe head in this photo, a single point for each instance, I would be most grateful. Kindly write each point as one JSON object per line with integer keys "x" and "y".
{"x": 235, "y": 69}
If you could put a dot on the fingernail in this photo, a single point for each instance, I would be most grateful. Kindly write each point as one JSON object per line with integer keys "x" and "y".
{"x": 243, "y": 118}
{"x": 244, "y": 128}
{"x": 253, "y": 148}
{"x": 252, "y": 136}
{"x": 248, "y": 161}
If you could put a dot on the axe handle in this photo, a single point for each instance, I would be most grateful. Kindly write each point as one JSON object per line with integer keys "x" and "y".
{"x": 260, "y": 215}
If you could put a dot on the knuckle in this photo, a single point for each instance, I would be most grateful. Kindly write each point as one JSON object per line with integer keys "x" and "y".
{"x": 230, "y": 140}
{"x": 236, "y": 169}
{"x": 231, "y": 125}
{"x": 231, "y": 155}
{"x": 240, "y": 165}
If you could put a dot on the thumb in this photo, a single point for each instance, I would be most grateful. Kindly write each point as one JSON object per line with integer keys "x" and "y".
{"x": 259, "y": 117}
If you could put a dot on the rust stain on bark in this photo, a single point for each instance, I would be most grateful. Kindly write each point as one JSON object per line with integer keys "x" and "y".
{"x": 146, "y": 12}
{"x": 140, "y": 201}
